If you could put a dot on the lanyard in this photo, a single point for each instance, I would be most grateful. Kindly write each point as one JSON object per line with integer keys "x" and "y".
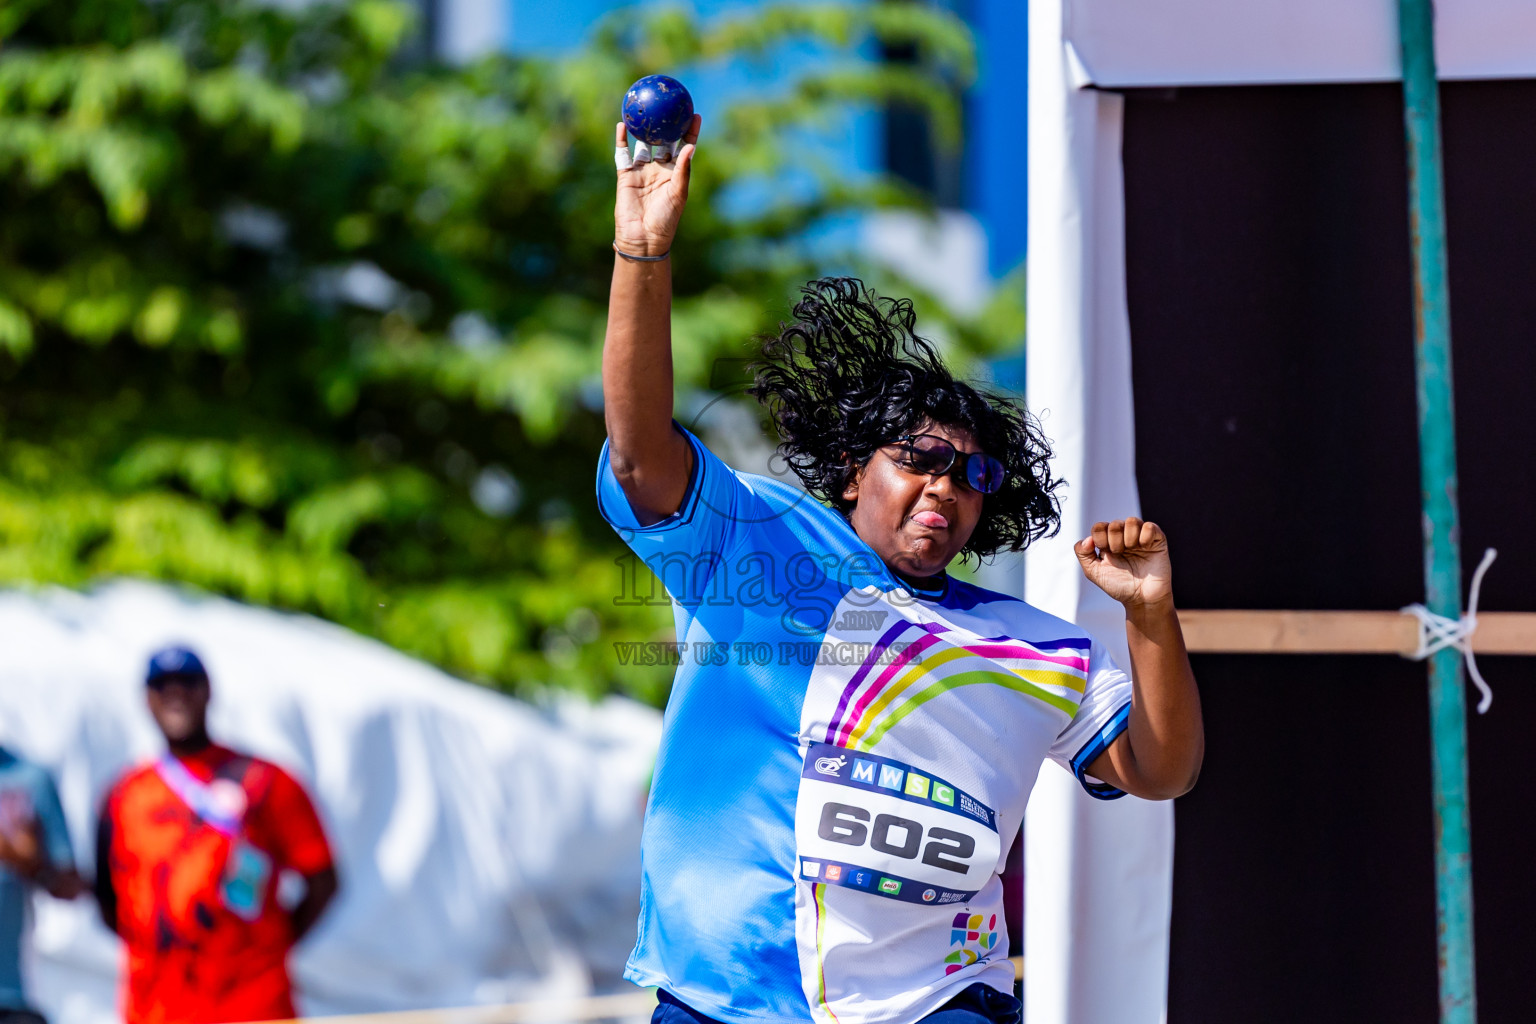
{"x": 200, "y": 796}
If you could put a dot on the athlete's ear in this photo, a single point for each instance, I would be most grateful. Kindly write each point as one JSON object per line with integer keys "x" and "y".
{"x": 851, "y": 490}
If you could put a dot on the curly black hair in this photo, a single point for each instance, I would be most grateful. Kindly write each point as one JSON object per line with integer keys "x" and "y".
{"x": 848, "y": 373}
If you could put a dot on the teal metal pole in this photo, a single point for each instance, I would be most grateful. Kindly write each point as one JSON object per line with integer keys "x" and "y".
{"x": 1442, "y": 533}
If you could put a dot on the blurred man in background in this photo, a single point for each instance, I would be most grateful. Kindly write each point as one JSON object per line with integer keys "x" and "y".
{"x": 34, "y": 851}
{"x": 189, "y": 853}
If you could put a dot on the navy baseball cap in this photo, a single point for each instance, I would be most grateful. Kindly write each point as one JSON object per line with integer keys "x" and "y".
{"x": 174, "y": 661}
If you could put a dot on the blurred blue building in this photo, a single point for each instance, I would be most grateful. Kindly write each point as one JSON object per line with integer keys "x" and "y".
{"x": 980, "y": 233}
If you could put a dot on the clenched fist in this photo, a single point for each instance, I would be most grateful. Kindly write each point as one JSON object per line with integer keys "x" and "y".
{"x": 1128, "y": 560}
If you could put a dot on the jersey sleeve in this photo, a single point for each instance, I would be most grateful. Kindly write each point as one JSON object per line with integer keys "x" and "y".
{"x": 50, "y": 820}
{"x": 1102, "y": 716}
{"x": 685, "y": 549}
{"x": 296, "y": 829}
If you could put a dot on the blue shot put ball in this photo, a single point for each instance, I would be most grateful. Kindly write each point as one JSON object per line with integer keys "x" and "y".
{"x": 657, "y": 110}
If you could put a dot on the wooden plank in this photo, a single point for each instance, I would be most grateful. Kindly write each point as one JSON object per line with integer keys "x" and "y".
{"x": 1505, "y": 633}
{"x": 1295, "y": 632}
{"x": 1309, "y": 632}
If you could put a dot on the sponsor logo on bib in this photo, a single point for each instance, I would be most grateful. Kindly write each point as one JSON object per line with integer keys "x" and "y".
{"x": 831, "y": 765}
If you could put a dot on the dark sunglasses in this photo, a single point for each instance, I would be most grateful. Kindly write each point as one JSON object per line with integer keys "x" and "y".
{"x": 934, "y": 456}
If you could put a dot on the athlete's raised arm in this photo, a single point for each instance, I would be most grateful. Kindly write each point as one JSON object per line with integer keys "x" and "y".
{"x": 651, "y": 460}
{"x": 1158, "y": 756}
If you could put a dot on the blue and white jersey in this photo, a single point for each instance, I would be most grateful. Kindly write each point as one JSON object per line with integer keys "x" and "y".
{"x": 845, "y": 762}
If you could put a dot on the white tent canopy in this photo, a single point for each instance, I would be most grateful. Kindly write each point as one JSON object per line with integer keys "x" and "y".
{"x": 488, "y": 850}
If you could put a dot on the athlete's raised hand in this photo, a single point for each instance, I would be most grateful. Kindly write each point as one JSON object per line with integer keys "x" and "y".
{"x": 1159, "y": 754}
{"x": 652, "y": 192}
{"x": 1128, "y": 560}
{"x": 650, "y": 459}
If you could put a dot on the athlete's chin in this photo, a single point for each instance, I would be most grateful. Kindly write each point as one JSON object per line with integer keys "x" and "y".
{"x": 178, "y": 725}
{"x": 923, "y": 559}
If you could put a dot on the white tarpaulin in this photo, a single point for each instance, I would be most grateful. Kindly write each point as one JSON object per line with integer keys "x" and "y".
{"x": 1125, "y": 43}
{"x": 488, "y": 850}
{"x": 1097, "y": 875}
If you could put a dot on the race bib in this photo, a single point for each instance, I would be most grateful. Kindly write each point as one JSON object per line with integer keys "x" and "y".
{"x": 875, "y": 824}
{"x": 246, "y": 874}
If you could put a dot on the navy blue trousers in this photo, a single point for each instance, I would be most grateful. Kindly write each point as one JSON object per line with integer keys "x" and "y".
{"x": 976, "y": 1004}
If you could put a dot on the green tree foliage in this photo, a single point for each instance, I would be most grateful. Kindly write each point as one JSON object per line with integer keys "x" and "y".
{"x": 288, "y": 316}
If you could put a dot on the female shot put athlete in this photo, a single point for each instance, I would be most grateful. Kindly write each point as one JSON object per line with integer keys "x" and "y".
{"x": 853, "y": 734}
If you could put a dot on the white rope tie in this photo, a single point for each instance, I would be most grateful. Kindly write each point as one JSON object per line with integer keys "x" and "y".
{"x": 1436, "y": 632}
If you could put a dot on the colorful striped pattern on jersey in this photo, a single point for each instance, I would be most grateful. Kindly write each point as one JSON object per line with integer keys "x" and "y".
{"x": 1054, "y": 672}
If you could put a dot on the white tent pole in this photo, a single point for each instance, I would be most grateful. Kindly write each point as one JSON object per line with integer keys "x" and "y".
{"x": 1098, "y": 875}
